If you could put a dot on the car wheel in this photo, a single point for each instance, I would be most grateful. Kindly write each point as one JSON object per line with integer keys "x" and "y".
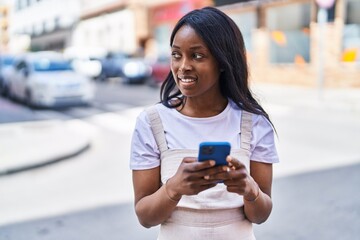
{"x": 4, "y": 91}
{"x": 2, "y": 87}
{"x": 10, "y": 94}
{"x": 101, "y": 77}
{"x": 28, "y": 98}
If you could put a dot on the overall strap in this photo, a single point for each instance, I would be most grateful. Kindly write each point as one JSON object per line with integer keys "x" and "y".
{"x": 157, "y": 128}
{"x": 246, "y": 129}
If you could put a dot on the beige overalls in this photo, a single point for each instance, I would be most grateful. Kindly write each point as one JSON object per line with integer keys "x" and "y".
{"x": 213, "y": 214}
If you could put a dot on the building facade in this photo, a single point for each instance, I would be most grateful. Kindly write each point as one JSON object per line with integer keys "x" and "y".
{"x": 4, "y": 23}
{"x": 282, "y": 37}
{"x": 48, "y": 23}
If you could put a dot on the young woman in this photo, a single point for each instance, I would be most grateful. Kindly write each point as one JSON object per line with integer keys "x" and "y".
{"x": 205, "y": 97}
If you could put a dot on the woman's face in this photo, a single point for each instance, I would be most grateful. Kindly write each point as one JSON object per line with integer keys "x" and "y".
{"x": 194, "y": 68}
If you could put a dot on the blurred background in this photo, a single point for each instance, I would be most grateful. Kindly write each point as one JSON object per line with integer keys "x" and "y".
{"x": 74, "y": 74}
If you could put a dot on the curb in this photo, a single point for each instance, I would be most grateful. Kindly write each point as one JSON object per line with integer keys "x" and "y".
{"x": 30, "y": 145}
{"x": 23, "y": 168}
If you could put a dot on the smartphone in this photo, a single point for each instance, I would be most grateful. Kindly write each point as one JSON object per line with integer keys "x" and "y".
{"x": 217, "y": 151}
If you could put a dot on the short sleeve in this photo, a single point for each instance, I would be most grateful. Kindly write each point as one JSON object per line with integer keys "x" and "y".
{"x": 144, "y": 151}
{"x": 262, "y": 147}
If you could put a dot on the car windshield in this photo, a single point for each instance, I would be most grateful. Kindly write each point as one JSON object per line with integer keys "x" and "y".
{"x": 52, "y": 65}
{"x": 6, "y": 60}
{"x": 164, "y": 59}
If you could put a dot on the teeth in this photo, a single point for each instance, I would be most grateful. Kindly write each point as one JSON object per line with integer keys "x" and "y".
{"x": 187, "y": 80}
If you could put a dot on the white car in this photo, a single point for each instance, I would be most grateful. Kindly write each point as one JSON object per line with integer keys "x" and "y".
{"x": 6, "y": 62}
{"x": 47, "y": 79}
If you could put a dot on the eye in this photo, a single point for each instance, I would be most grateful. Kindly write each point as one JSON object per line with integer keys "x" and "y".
{"x": 197, "y": 56}
{"x": 175, "y": 55}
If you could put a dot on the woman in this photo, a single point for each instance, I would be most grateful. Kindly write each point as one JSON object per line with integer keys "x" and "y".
{"x": 205, "y": 97}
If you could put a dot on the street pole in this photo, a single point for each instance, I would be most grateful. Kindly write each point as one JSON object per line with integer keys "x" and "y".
{"x": 322, "y": 19}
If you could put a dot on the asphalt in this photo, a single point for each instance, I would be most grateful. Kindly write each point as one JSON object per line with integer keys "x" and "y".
{"x": 28, "y": 145}
{"x": 299, "y": 213}
{"x": 322, "y": 204}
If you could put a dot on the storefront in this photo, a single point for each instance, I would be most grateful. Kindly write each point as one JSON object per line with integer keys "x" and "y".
{"x": 164, "y": 17}
{"x": 351, "y": 32}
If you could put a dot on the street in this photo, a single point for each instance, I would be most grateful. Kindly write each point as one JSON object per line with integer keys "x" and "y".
{"x": 90, "y": 196}
{"x": 109, "y": 96}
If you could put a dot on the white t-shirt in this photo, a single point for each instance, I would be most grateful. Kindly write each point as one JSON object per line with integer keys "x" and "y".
{"x": 183, "y": 132}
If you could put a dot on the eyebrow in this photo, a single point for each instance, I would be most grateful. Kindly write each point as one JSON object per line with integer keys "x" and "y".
{"x": 192, "y": 48}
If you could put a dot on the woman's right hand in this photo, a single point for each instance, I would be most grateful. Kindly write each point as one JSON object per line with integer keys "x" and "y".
{"x": 189, "y": 178}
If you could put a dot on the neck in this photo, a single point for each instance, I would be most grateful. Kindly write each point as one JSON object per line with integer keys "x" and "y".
{"x": 211, "y": 107}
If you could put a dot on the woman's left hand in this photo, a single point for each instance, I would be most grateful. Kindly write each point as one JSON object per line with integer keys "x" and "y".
{"x": 238, "y": 179}
{"x": 255, "y": 187}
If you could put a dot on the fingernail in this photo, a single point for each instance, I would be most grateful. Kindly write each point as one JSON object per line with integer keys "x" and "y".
{"x": 225, "y": 168}
{"x": 207, "y": 177}
{"x": 212, "y": 163}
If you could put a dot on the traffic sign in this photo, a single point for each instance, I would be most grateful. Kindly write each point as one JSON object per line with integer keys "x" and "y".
{"x": 325, "y": 3}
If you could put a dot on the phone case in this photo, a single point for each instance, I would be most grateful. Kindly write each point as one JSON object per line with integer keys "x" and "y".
{"x": 217, "y": 151}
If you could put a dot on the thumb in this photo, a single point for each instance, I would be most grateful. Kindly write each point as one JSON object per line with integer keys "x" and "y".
{"x": 233, "y": 162}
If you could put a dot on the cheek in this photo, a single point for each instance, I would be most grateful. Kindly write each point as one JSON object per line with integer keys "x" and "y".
{"x": 211, "y": 73}
{"x": 174, "y": 70}
{"x": 174, "y": 76}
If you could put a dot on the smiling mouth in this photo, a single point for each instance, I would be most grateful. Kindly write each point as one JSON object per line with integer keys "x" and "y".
{"x": 187, "y": 79}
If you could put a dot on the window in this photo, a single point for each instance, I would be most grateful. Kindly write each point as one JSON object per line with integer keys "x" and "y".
{"x": 289, "y": 33}
{"x": 351, "y": 32}
{"x": 246, "y": 21}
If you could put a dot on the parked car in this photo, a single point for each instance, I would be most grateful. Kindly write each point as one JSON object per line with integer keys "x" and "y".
{"x": 85, "y": 60}
{"x": 6, "y": 62}
{"x": 47, "y": 79}
{"x": 160, "y": 70}
{"x": 87, "y": 66}
{"x": 129, "y": 69}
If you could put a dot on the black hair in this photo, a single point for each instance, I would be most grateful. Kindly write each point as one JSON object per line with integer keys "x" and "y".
{"x": 224, "y": 40}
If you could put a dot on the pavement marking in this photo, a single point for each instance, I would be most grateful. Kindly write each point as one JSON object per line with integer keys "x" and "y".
{"x": 121, "y": 121}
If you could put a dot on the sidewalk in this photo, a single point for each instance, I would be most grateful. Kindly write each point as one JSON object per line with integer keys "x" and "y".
{"x": 28, "y": 145}
{"x": 342, "y": 99}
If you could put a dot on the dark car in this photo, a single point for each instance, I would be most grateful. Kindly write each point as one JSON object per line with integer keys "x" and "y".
{"x": 6, "y": 62}
{"x": 129, "y": 69}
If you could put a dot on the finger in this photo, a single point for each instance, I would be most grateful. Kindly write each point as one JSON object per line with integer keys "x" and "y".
{"x": 207, "y": 186}
{"x": 234, "y": 162}
{"x": 235, "y": 189}
{"x": 238, "y": 174}
{"x": 216, "y": 169}
{"x": 189, "y": 159}
{"x": 199, "y": 166}
{"x": 205, "y": 182}
{"x": 231, "y": 177}
{"x": 217, "y": 172}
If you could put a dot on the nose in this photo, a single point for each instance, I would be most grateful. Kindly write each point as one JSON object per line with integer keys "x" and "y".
{"x": 185, "y": 65}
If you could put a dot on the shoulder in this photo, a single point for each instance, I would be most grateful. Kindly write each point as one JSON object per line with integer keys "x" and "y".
{"x": 260, "y": 122}
{"x": 144, "y": 116}
{"x": 257, "y": 119}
